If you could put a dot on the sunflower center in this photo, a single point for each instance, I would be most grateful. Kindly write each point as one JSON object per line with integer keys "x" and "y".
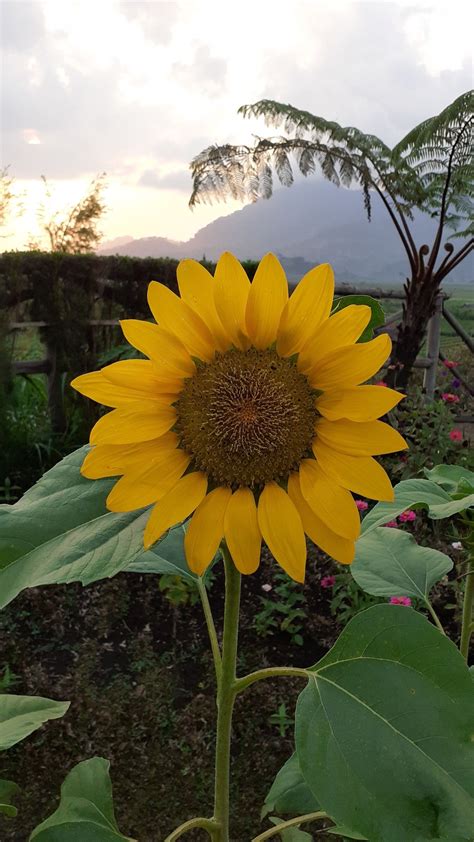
{"x": 247, "y": 417}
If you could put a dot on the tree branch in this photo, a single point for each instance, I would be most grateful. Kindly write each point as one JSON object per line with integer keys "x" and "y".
{"x": 455, "y": 260}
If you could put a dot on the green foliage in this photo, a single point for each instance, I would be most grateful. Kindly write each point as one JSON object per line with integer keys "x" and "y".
{"x": 389, "y": 562}
{"x": 377, "y": 318}
{"x": 8, "y": 789}
{"x": 413, "y": 493}
{"x": 289, "y": 792}
{"x": 8, "y": 679}
{"x": 383, "y": 730}
{"x": 281, "y": 719}
{"x": 74, "y": 230}
{"x": 86, "y": 809}
{"x": 179, "y": 591}
{"x": 21, "y": 715}
{"x": 285, "y": 613}
{"x": 60, "y": 531}
{"x": 347, "y": 598}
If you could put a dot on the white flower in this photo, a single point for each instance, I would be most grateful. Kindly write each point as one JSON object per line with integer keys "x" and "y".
{"x": 456, "y": 545}
{"x": 266, "y": 588}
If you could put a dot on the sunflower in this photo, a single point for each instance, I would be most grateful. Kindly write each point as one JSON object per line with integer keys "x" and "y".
{"x": 247, "y": 414}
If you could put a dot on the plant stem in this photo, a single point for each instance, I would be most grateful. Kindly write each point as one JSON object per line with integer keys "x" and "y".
{"x": 435, "y": 616}
{"x": 273, "y": 831}
{"x": 225, "y": 697}
{"x": 216, "y": 652}
{"x": 467, "y": 610}
{"x": 206, "y": 824}
{"x": 270, "y": 672}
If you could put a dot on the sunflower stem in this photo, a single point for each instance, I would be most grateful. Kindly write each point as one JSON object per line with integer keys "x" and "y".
{"x": 216, "y": 652}
{"x": 226, "y": 697}
{"x": 466, "y": 629}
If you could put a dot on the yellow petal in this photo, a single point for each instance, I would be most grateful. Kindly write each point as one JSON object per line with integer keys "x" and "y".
{"x": 242, "y": 532}
{"x": 96, "y": 386}
{"x": 110, "y": 460}
{"x": 196, "y": 287}
{"x": 267, "y": 298}
{"x": 231, "y": 292}
{"x": 175, "y": 506}
{"x": 149, "y": 482}
{"x": 162, "y": 347}
{"x": 351, "y": 365}
{"x": 308, "y": 306}
{"x": 141, "y": 375}
{"x": 206, "y": 530}
{"x": 282, "y": 530}
{"x": 133, "y": 422}
{"x": 334, "y": 545}
{"x": 343, "y": 328}
{"x": 361, "y": 474}
{"x": 360, "y": 438}
{"x": 359, "y": 403}
{"x": 175, "y": 316}
{"x": 332, "y": 503}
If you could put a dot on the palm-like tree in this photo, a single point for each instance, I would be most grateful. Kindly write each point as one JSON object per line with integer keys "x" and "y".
{"x": 431, "y": 169}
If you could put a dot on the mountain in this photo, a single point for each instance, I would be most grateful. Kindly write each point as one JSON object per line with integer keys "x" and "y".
{"x": 311, "y": 222}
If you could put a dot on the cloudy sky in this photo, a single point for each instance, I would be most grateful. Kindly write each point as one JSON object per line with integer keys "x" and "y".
{"x": 137, "y": 88}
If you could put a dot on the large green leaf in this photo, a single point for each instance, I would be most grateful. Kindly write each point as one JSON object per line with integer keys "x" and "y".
{"x": 289, "y": 792}
{"x": 412, "y": 493}
{"x": 8, "y": 790}
{"x": 449, "y": 476}
{"x": 389, "y": 562}
{"x": 384, "y": 730}
{"x": 61, "y": 532}
{"x": 21, "y": 715}
{"x": 85, "y": 812}
{"x": 377, "y": 318}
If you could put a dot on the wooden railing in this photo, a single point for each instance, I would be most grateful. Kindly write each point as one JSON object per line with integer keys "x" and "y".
{"x": 49, "y": 365}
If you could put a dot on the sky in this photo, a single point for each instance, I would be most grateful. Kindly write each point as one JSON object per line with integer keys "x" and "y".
{"x": 136, "y": 89}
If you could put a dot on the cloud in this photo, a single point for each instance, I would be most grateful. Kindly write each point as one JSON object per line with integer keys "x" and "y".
{"x": 175, "y": 180}
{"x": 157, "y": 18}
{"x": 206, "y": 72}
{"x": 21, "y": 25}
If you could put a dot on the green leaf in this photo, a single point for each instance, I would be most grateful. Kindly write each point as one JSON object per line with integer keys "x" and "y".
{"x": 291, "y": 834}
{"x": 86, "y": 810}
{"x": 8, "y": 789}
{"x": 166, "y": 557}
{"x": 408, "y": 494}
{"x": 449, "y": 476}
{"x": 389, "y": 562}
{"x": 289, "y": 793}
{"x": 377, "y": 318}
{"x": 345, "y": 832}
{"x": 21, "y": 715}
{"x": 384, "y": 730}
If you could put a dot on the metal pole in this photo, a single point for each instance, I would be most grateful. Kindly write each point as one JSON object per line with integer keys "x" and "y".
{"x": 432, "y": 348}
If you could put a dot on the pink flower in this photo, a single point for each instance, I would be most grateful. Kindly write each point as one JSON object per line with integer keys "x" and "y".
{"x": 381, "y": 383}
{"x": 448, "y": 397}
{"x": 328, "y": 581}
{"x": 455, "y": 435}
{"x": 362, "y": 505}
{"x": 400, "y": 600}
{"x": 407, "y": 517}
{"x": 449, "y": 363}
{"x": 392, "y": 523}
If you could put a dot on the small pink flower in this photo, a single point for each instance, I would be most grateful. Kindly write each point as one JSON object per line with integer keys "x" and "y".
{"x": 392, "y": 523}
{"x": 328, "y": 581}
{"x": 448, "y": 397}
{"x": 362, "y": 505}
{"x": 449, "y": 364}
{"x": 400, "y": 600}
{"x": 407, "y": 517}
{"x": 381, "y": 383}
{"x": 455, "y": 435}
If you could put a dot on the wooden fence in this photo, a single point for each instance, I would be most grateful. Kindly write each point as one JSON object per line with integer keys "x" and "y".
{"x": 49, "y": 365}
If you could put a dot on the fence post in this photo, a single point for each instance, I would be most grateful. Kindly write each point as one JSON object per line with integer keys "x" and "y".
{"x": 55, "y": 387}
{"x": 432, "y": 348}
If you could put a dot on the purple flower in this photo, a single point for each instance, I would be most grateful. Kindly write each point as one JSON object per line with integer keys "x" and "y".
{"x": 400, "y": 600}
{"x": 328, "y": 581}
{"x": 407, "y": 517}
{"x": 455, "y": 384}
{"x": 362, "y": 505}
